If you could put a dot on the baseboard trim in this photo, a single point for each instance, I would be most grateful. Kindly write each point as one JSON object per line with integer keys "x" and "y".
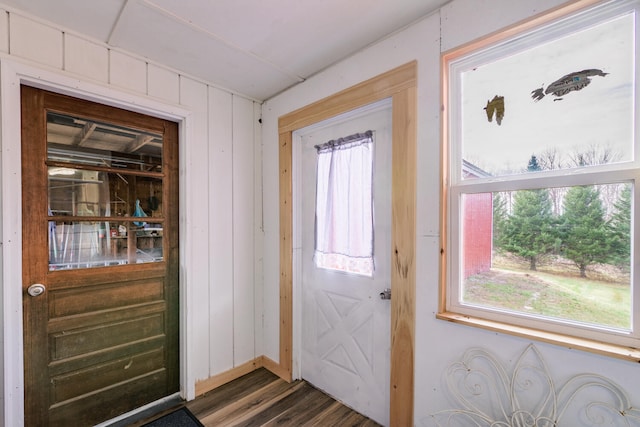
{"x": 215, "y": 381}
{"x": 276, "y": 368}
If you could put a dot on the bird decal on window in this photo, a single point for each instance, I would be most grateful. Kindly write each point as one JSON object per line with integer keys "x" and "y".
{"x": 496, "y": 105}
{"x": 571, "y": 82}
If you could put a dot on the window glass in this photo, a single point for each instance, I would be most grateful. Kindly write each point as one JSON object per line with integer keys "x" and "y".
{"x": 344, "y": 205}
{"x": 105, "y": 193}
{"x": 563, "y": 253}
{"x": 89, "y": 142}
{"x": 558, "y": 99}
{"x": 541, "y": 171}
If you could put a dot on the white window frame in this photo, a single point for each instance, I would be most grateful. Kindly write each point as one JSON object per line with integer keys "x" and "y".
{"x": 533, "y": 32}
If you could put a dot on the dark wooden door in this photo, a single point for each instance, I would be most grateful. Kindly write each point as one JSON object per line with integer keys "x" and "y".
{"x": 100, "y": 234}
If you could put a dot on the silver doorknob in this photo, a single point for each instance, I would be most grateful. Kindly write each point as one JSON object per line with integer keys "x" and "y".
{"x": 36, "y": 289}
{"x": 386, "y": 294}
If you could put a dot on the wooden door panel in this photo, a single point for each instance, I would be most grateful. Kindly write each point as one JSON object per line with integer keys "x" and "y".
{"x": 102, "y": 375}
{"x": 71, "y": 279}
{"x": 72, "y": 323}
{"x": 100, "y": 341}
{"x": 73, "y": 343}
{"x": 110, "y": 402}
{"x": 67, "y": 302}
{"x": 92, "y": 360}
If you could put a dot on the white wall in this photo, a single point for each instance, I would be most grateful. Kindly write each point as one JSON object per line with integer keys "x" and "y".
{"x": 438, "y": 343}
{"x": 220, "y": 191}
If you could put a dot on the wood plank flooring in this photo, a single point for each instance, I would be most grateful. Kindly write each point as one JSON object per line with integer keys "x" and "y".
{"x": 262, "y": 399}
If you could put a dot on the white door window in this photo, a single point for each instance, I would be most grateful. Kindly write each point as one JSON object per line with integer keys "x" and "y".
{"x": 345, "y": 333}
{"x": 344, "y": 204}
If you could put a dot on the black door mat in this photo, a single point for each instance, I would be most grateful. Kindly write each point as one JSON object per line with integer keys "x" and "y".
{"x": 181, "y": 417}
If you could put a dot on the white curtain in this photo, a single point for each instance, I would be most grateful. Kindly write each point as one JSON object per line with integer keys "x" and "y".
{"x": 344, "y": 205}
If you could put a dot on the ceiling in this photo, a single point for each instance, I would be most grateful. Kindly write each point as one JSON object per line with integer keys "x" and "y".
{"x": 254, "y": 47}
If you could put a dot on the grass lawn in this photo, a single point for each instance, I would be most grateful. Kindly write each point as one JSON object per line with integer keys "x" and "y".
{"x": 554, "y": 291}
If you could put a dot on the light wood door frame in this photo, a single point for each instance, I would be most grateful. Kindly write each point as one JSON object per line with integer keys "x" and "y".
{"x": 399, "y": 84}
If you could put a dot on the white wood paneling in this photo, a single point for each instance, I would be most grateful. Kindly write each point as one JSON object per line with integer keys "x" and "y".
{"x": 243, "y": 230}
{"x": 4, "y": 31}
{"x": 127, "y": 72}
{"x": 164, "y": 84}
{"x": 220, "y": 199}
{"x": 86, "y": 58}
{"x": 76, "y": 65}
{"x": 11, "y": 252}
{"x": 258, "y": 227}
{"x": 93, "y": 18}
{"x": 35, "y": 41}
{"x": 194, "y": 95}
{"x": 271, "y": 238}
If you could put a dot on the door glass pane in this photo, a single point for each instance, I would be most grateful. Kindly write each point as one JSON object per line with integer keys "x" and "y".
{"x": 85, "y": 244}
{"x": 76, "y": 192}
{"x": 98, "y": 173}
{"x": 88, "y": 142}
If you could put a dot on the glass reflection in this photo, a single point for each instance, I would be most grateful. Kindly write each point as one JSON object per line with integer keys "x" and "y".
{"x": 84, "y": 244}
{"x": 570, "y": 106}
{"x": 103, "y": 172}
{"x": 75, "y": 192}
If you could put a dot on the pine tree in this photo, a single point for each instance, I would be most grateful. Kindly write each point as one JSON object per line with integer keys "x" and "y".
{"x": 620, "y": 226}
{"x": 534, "y": 165}
{"x": 585, "y": 238}
{"x": 529, "y": 232}
{"x": 499, "y": 219}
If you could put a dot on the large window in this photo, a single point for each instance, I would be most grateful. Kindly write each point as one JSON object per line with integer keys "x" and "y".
{"x": 540, "y": 171}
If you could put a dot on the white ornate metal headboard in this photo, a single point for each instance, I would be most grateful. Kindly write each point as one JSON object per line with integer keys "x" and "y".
{"x": 489, "y": 396}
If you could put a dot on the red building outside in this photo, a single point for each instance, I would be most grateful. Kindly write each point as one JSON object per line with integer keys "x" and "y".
{"x": 477, "y": 225}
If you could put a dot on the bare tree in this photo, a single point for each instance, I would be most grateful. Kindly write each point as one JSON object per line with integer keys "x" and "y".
{"x": 594, "y": 155}
{"x": 550, "y": 159}
{"x": 600, "y": 155}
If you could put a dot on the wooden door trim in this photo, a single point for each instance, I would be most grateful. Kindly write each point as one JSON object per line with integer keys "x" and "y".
{"x": 400, "y": 84}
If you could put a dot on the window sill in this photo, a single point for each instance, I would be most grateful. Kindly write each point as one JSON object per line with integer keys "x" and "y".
{"x": 597, "y": 347}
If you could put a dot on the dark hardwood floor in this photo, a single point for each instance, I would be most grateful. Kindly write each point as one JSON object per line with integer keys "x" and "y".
{"x": 260, "y": 398}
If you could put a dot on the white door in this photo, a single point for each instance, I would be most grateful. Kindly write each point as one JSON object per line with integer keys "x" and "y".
{"x": 345, "y": 342}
